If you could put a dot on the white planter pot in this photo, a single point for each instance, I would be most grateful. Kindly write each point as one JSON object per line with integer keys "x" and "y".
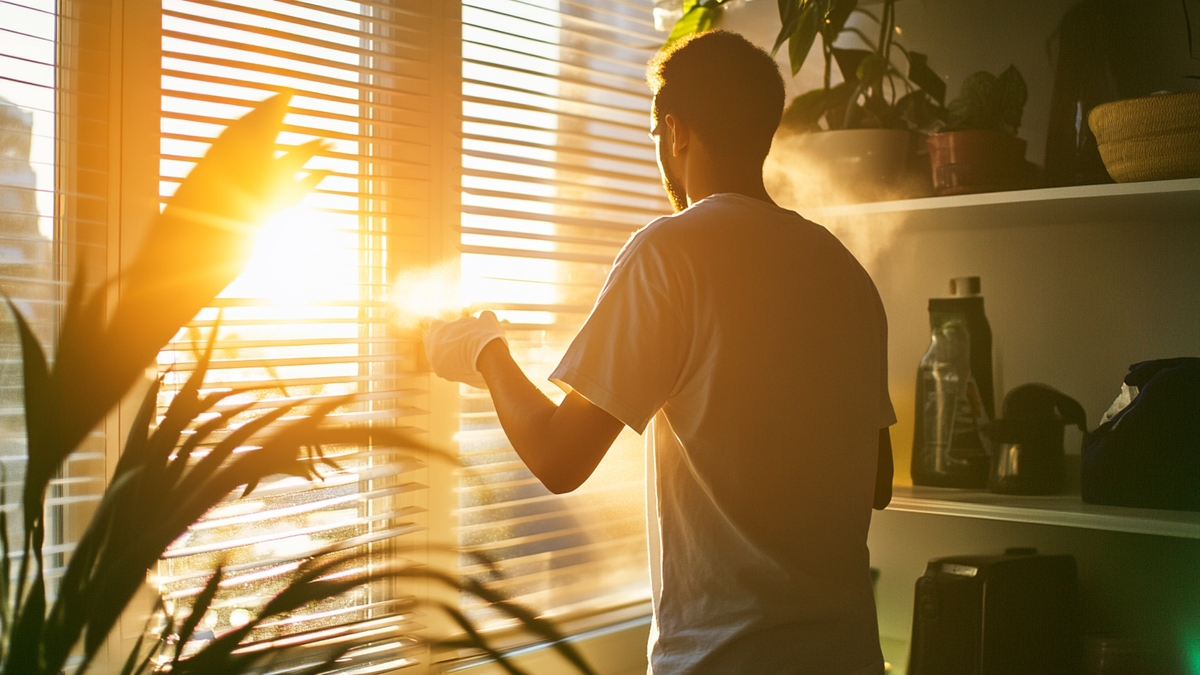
{"x": 843, "y": 166}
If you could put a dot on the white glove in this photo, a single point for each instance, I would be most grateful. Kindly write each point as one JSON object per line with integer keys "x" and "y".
{"x": 453, "y": 347}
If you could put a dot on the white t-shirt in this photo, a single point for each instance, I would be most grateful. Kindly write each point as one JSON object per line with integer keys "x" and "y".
{"x": 764, "y": 344}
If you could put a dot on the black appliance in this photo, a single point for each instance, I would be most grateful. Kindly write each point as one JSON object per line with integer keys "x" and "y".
{"x": 1027, "y": 442}
{"x": 1011, "y": 614}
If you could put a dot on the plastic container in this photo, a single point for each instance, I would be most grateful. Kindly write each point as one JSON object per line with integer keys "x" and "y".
{"x": 954, "y": 400}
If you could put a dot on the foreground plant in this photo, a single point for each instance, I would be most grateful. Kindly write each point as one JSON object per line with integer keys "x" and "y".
{"x": 171, "y": 472}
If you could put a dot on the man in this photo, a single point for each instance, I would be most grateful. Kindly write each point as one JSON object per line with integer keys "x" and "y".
{"x": 764, "y": 345}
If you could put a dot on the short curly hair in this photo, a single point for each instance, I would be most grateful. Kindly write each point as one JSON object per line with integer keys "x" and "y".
{"x": 728, "y": 90}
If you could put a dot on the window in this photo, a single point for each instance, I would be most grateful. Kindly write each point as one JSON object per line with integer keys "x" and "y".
{"x": 310, "y": 317}
{"x": 539, "y": 118}
{"x": 52, "y": 213}
{"x": 557, "y": 173}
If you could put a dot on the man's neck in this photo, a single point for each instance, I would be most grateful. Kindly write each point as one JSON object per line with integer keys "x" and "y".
{"x": 744, "y": 185}
{"x": 706, "y": 177}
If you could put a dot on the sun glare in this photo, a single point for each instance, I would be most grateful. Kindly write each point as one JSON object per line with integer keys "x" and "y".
{"x": 302, "y": 256}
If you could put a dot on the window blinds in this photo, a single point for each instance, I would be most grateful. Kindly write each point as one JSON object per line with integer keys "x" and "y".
{"x": 309, "y": 316}
{"x": 557, "y": 172}
{"x": 52, "y": 214}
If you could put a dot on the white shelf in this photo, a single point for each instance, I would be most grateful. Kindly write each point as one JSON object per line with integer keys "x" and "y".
{"x": 1062, "y": 510}
{"x": 1153, "y": 201}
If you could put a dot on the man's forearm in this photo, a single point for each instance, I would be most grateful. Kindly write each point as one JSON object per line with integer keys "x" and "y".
{"x": 524, "y": 411}
{"x": 561, "y": 445}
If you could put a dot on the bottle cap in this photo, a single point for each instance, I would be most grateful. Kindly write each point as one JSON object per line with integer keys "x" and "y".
{"x": 961, "y": 287}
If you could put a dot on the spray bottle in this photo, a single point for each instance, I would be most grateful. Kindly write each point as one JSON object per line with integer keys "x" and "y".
{"x": 954, "y": 399}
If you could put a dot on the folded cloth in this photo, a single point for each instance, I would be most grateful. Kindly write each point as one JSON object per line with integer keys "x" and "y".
{"x": 453, "y": 347}
{"x": 1147, "y": 453}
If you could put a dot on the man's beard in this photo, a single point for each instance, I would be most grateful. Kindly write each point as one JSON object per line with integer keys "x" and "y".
{"x": 675, "y": 191}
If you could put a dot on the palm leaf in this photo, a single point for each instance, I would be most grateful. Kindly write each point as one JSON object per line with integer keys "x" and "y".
{"x": 76, "y": 596}
{"x": 39, "y": 416}
{"x": 24, "y": 654}
{"x": 476, "y": 639}
{"x": 199, "y": 608}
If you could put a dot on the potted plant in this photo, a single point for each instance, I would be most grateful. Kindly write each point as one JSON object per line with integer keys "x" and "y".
{"x": 978, "y": 149}
{"x": 864, "y": 131}
{"x": 858, "y": 134}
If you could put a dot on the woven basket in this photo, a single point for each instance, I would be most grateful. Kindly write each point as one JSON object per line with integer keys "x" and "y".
{"x": 1151, "y": 138}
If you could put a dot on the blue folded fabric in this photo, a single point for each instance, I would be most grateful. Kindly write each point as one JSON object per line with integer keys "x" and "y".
{"x": 1148, "y": 454}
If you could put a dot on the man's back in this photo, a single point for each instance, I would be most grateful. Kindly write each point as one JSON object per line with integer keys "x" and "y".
{"x": 764, "y": 343}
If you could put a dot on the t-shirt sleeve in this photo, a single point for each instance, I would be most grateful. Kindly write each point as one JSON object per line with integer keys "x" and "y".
{"x": 628, "y": 356}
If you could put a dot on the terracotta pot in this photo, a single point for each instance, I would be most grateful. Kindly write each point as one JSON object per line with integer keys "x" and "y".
{"x": 976, "y": 161}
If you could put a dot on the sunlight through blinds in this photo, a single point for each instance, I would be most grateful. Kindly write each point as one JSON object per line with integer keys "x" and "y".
{"x": 52, "y": 216}
{"x": 309, "y": 316}
{"x": 557, "y": 173}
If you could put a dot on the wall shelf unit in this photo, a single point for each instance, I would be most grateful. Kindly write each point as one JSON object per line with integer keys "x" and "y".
{"x": 1062, "y": 510}
{"x": 1154, "y": 201}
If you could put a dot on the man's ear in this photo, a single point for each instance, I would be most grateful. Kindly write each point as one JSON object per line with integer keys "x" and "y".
{"x": 681, "y": 134}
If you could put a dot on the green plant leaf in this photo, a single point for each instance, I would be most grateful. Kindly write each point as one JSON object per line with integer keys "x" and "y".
{"x": 6, "y": 570}
{"x": 43, "y": 457}
{"x": 195, "y": 489}
{"x": 801, "y": 41}
{"x": 24, "y": 655}
{"x": 185, "y": 406}
{"x": 134, "y": 454}
{"x": 836, "y": 15}
{"x": 870, "y": 70}
{"x": 201, "y": 433}
{"x": 789, "y": 17}
{"x": 920, "y": 74}
{"x": 878, "y": 114}
{"x": 1011, "y": 95}
{"x": 975, "y": 106}
{"x": 919, "y": 113}
{"x": 81, "y": 395}
{"x": 97, "y": 589}
{"x": 75, "y": 603}
{"x": 131, "y": 661}
{"x": 697, "y": 17}
{"x": 199, "y": 608}
{"x": 137, "y": 663}
{"x": 849, "y": 60}
{"x": 200, "y": 242}
{"x": 476, "y": 639}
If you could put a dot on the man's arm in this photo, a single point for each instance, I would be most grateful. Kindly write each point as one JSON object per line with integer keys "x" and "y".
{"x": 561, "y": 444}
{"x": 883, "y": 471}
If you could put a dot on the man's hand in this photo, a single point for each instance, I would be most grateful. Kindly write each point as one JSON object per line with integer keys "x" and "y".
{"x": 453, "y": 347}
